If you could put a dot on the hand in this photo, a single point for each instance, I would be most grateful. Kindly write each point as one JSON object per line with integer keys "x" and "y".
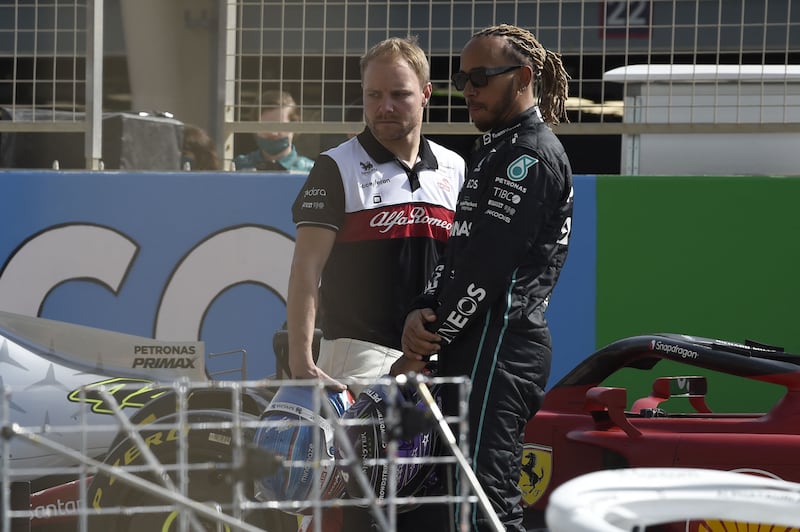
{"x": 405, "y": 365}
{"x": 417, "y": 341}
{"x": 311, "y": 371}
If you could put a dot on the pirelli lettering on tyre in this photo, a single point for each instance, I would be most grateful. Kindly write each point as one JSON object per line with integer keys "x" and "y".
{"x": 132, "y": 454}
{"x": 465, "y": 308}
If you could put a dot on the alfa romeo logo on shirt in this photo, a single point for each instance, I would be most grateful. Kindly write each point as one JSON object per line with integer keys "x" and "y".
{"x": 518, "y": 170}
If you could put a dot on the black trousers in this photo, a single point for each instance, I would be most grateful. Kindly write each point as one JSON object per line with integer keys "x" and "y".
{"x": 509, "y": 372}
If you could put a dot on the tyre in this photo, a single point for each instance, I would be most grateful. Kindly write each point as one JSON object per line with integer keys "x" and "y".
{"x": 253, "y": 402}
{"x": 211, "y": 479}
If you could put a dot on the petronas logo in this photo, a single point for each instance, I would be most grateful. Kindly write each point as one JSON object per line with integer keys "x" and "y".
{"x": 518, "y": 170}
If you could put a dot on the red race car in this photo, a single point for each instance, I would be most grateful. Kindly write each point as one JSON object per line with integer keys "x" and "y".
{"x": 594, "y": 418}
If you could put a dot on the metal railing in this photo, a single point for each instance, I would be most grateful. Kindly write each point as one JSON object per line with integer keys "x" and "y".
{"x": 59, "y": 88}
{"x": 51, "y": 55}
{"x": 197, "y": 463}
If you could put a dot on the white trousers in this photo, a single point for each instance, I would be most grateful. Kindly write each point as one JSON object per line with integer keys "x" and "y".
{"x": 345, "y": 357}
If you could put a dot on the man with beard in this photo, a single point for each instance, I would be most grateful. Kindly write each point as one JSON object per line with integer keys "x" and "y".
{"x": 483, "y": 310}
{"x": 372, "y": 220}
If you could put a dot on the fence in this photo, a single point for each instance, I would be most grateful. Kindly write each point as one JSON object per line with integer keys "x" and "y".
{"x": 226, "y": 455}
{"x": 311, "y": 48}
{"x": 51, "y": 54}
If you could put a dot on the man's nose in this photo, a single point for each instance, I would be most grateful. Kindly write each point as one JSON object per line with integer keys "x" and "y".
{"x": 387, "y": 105}
{"x": 469, "y": 88}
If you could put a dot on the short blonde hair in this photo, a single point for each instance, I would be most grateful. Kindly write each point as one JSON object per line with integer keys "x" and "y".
{"x": 400, "y": 48}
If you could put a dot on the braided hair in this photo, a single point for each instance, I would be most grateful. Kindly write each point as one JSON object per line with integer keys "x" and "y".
{"x": 549, "y": 71}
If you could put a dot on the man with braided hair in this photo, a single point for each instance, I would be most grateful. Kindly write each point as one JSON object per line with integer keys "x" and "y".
{"x": 483, "y": 310}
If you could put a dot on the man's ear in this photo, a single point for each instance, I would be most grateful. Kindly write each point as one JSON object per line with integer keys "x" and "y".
{"x": 526, "y": 76}
{"x": 427, "y": 91}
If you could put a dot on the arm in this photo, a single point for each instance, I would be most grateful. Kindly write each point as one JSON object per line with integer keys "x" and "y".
{"x": 312, "y": 248}
{"x": 318, "y": 218}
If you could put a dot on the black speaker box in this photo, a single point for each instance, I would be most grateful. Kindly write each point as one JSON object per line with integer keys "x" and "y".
{"x": 135, "y": 142}
{"x": 130, "y": 142}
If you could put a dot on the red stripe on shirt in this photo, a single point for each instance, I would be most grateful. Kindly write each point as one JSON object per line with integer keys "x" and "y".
{"x": 397, "y": 221}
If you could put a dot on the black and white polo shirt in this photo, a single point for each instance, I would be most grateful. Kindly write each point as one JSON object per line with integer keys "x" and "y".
{"x": 391, "y": 223}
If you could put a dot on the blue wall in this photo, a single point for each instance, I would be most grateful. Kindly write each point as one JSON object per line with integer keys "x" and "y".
{"x": 201, "y": 256}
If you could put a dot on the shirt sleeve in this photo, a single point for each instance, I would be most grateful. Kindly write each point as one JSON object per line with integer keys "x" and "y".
{"x": 321, "y": 200}
{"x": 427, "y": 299}
{"x": 515, "y": 206}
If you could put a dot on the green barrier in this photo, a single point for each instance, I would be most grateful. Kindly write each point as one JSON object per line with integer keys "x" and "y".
{"x": 709, "y": 256}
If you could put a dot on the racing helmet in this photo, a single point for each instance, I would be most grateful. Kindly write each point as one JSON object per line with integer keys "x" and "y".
{"x": 291, "y": 428}
{"x": 369, "y": 434}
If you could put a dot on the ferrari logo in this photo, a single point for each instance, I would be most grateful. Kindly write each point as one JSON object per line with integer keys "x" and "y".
{"x": 537, "y": 469}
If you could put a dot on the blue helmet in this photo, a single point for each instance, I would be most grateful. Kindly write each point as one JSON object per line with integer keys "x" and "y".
{"x": 292, "y": 425}
{"x": 369, "y": 435}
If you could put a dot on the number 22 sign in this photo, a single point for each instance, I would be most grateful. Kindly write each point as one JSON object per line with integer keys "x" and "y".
{"x": 627, "y": 18}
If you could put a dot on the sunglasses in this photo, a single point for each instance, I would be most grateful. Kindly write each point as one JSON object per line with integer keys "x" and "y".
{"x": 479, "y": 77}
